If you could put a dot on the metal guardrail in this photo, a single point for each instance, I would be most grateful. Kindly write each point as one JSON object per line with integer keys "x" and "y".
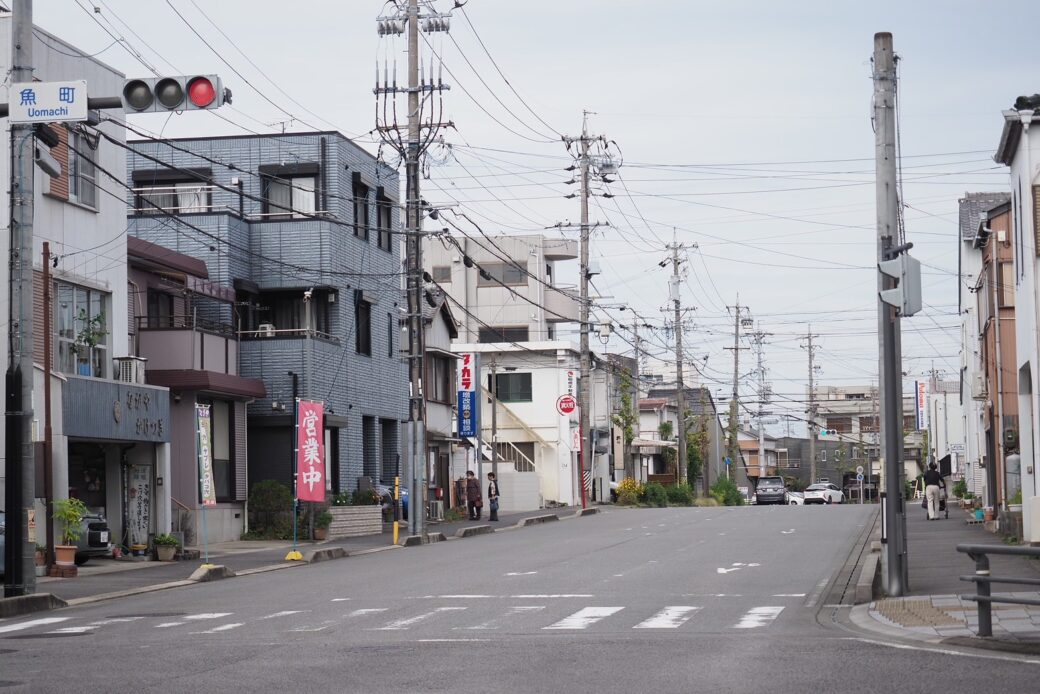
{"x": 982, "y": 580}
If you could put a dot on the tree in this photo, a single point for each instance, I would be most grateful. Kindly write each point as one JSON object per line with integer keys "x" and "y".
{"x": 667, "y": 433}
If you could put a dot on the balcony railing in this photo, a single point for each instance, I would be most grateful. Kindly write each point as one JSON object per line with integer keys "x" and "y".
{"x": 184, "y": 322}
{"x": 266, "y": 331}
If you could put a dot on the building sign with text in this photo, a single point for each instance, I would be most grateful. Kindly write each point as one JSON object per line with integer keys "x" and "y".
{"x": 468, "y": 388}
{"x": 310, "y": 451}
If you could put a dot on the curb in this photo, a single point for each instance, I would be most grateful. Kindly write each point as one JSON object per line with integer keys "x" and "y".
{"x": 412, "y": 541}
{"x": 474, "y": 530}
{"x": 102, "y": 597}
{"x": 869, "y": 582}
{"x": 27, "y": 604}
{"x": 316, "y": 555}
{"x": 211, "y": 572}
{"x": 534, "y": 520}
{"x": 591, "y": 511}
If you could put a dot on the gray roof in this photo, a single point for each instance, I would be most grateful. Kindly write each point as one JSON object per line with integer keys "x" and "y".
{"x": 972, "y": 205}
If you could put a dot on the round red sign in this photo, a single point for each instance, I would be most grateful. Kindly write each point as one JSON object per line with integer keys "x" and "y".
{"x": 566, "y": 404}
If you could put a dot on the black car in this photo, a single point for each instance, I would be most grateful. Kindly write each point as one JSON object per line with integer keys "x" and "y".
{"x": 771, "y": 490}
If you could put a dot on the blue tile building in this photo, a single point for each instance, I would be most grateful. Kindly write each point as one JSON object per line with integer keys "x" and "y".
{"x": 303, "y": 226}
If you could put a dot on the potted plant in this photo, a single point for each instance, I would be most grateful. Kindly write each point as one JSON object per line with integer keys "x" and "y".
{"x": 40, "y": 560}
{"x": 89, "y": 337}
{"x": 322, "y": 521}
{"x": 69, "y": 515}
{"x": 166, "y": 546}
{"x": 1015, "y": 502}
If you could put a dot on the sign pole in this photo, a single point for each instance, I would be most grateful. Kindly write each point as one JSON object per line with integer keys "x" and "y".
{"x": 205, "y": 458}
{"x": 294, "y": 554}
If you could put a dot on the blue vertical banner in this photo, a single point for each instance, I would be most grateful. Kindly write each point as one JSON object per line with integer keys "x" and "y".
{"x": 468, "y": 385}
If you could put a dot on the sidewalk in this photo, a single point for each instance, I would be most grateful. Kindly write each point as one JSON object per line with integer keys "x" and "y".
{"x": 103, "y": 576}
{"x": 933, "y": 610}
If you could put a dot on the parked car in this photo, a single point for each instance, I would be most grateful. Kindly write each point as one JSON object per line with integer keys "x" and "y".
{"x": 795, "y": 498}
{"x": 386, "y": 493}
{"x": 824, "y": 493}
{"x": 771, "y": 490}
{"x": 94, "y": 539}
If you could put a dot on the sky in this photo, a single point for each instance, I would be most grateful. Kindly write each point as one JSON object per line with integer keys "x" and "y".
{"x": 742, "y": 128}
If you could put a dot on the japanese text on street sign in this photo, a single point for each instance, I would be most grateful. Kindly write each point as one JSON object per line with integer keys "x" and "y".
{"x": 207, "y": 488}
{"x": 48, "y": 102}
{"x": 468, "y": 401}
{"x": 566, "y": 404}
{"x": 310, "y": 453}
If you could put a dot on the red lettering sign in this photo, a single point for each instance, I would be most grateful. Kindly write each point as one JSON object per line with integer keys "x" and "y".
{"x": 310, "y": 452}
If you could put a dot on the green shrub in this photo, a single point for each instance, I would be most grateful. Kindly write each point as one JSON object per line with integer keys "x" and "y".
{"x": 705, "y": 501}
{"x": 656, "y": 495}
{"x": 960, "y": 488}
{"x": 679, "y": 494}
{"x": 69, "y": 514}
{"x": 725, "y": 492}
{"x": 366, "y": 497}
{"x": 270, "y": 511}
{"x": 628, "y": 497}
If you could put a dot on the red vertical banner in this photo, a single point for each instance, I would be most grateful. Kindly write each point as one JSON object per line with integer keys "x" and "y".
{"x": 310, "y": 451}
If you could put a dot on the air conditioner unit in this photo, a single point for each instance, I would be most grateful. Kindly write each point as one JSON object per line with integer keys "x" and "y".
{"x": 130, "y": 369}
{"x": 978, "y": 387}
{"x": 266, "y": 330}
{"x": 436, "y": 510}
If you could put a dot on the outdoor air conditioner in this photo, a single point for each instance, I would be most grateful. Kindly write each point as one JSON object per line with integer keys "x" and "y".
{"x": 266, "y": 330}
{"x": 437, "y": 510}
{"x": 130, "y": 369}
{"x": 978, "y": 387}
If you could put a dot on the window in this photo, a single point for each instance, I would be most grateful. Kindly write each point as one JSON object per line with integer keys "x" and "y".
{"x": 289, "y": 197}
{"x": 390, "y": 335}
{"x": 160, "y": 309}
{"x": 868, "y": 425}
{"x": 502, "y": 273}
{"x": 223, "y": 460}
{"x": 512, "y": 387}
{"x": 910, "y": 422}
{"x": 439, "y": 378}
{"x": 360, "y": 210}
{"x": 82, "y": 330}
{"x": 177, "y": 197}
{"x": 287, "y": 311}
{"x": 384, "y": 220}
{"x": 503, "y": 335}
{"x": 442, "y": 273}
{"x": 843, "y": 425}
{"x": 823, "y": 456}
{"x": 362, "y": 325}
{"x": 82, "y": 174}
{"x": 1006, "y": 288}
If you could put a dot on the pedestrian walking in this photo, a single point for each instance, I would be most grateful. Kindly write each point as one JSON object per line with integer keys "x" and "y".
{"x": 932, "y": 481}
{"x": 493, "y": 496}
{"x": 474, "y": 500}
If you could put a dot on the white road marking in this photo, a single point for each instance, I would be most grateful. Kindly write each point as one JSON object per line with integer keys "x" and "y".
{"x": 944, "y": 651}
{"x": 114, "y": 620}
{"x": 758, "y": 617}
{"x": 167, "y": 625}
{"x": 340, "y": 599}
{"x": 726, "y": 571}
{"x": 464, "y": 597}
{"x": 817, "y": 591}
{"x": 321, "y": 626}
{"x": 367, "y": 610}
{"x": 737, "y": 563}
{"x": 30, "y": 624}
{"x": 448, "y": 640}
{"x": 284, "y": 613}
{"x": 74, "y": 630}
{"x": 671, "y": 617}
{"x": 521, "y": 573}
{"x": 787, "y": 532}
{"x": 789, "y": 595}
{"x": 208, "y": 615}
{"x": 754, "y": 565}
{"x": 545, "y": 596}
{"x": 513, "y": 611}
{"x": 401, "y": 624}
{"x": 222, "y": 627}
{"x": 584, "y": 618}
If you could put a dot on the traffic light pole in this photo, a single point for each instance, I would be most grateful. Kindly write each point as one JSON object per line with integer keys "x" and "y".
{"x": 19, "y": 487}
{"x": 888, "y": 322}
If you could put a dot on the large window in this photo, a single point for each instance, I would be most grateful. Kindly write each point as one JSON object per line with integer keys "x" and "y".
{"x": 82, "y": 173}
{"x": 501, "y": 273}
{"x": 161, "y": 312}
{"x": 360, "y": 191}
{"x": 843, "y": 425}
{"x": 291, "y": 314}
{"x": 1006, "y": 288}
{"x": 176, "y": 197}
{"x": 439, "y": 378}
{"x": 503, "y": 334}
{"x": 81, "y": 324}
{"x": 384, "y": 221}
{"x": 289, "y": 197}
{"x": 223, "y": 458}
{"x": 362, "y": 325}
{"x": 513, "y": 387}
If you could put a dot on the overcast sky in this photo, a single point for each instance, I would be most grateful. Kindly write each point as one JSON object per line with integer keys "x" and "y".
{"x": 744, "y": 127}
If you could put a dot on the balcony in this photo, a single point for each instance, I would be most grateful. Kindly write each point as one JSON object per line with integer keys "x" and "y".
{"x": 561, "y": 306}
{"x": 268, "y": 331}
{"x": 187, "y": 343}
{"x": 560, "y": 249}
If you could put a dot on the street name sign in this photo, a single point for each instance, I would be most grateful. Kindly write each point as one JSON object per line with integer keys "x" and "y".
{"x": 48, "y": 102}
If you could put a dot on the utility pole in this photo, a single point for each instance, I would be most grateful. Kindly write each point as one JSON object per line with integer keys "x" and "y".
{"x": 759, "y": 338}
{"x": 811, "y": 348}
{"x": 680, "y": 388}
{"x": 631, "y": 472}
{"x": 20, "y": 576}
{"x": 734, "y": 413}
{"x": 494, "y": 420}
{"x": 884, "y": 118}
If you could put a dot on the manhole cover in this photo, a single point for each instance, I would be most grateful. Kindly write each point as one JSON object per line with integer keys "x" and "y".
{"x": 146, "y": 614}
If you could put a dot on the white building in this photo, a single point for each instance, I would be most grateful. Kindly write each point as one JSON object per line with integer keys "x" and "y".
{"x": 946, "y": 426}
{"x": 1019, "y": 149}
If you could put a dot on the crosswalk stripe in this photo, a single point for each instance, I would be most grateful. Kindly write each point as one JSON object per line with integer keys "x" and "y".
{"x": 584, "y": 618}
{"x": 283, "y": 613}
{"x": 207, "y": 615}
{"x": 8, "y": 628}
{"x": 671, "y": 617}
{"x": 406, "y": 623}
{"x": 513, "y": 611}
{"x": 758, "y": 617}
{"x": 75, "y": 630}
{"x": 369, "y": 610}
{"x": 167, "y": 625}
{"x": 222, "y": 627}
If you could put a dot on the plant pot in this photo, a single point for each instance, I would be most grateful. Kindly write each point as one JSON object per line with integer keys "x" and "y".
{"x": 40, "y": 559}
{"x": 321, "y": 533}
{"x": 40, "y": 570}
{"x": 1014, "y": 508}
{"x": 988, "y": 514}
{"x": 65, "y": 555}
{"x": 165, "y": 552}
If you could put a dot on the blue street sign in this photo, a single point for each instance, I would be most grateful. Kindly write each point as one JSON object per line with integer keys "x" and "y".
{"x": 469, "y": 415}
{"x": 728, "y": 461}
{"x": 859, "y": 477}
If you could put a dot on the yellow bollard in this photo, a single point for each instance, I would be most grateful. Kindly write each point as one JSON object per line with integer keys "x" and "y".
{"x": 397, "y": 505}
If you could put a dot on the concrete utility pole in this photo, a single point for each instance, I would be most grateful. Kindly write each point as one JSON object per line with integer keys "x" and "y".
{"x": 811, "y": 348}
{"x": 884, "y": 117}
{"x": 631, "y": 472}
{"x": 680, "y": 387}
{"x": 734, "y": 404}
{"x": 760, "y": 338}
{"x": 494, "y": 420}
{"x": 20, "y": 576}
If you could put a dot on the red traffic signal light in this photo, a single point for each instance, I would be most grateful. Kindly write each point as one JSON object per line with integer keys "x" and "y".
{"x": 175, "y": 93}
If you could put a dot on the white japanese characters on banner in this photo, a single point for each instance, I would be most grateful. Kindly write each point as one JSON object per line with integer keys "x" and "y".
{"x": 207, "y": 487}
{"x": 310, "y": 451}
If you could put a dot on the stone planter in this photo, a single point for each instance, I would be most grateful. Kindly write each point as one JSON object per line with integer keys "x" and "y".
{"x": 353, "y": 521}
{"x": 166, "y": 552}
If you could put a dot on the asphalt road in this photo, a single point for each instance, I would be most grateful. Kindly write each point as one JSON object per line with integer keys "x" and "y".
{"x": 668, "y": 600}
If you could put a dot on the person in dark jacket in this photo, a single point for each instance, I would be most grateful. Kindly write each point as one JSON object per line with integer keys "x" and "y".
{"x": 932, "y": 481}
{"x": 474, "y": 499}
{"x": 493, "y": 496}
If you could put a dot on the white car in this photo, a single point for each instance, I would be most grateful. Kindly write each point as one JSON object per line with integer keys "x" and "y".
{"x": 795, "y": 498}
{"x": 824, "y": 493}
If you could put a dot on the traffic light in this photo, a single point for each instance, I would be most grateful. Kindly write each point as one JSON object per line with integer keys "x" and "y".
{"x": 181, "y": 93}
{"x": 906, "y": 295}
